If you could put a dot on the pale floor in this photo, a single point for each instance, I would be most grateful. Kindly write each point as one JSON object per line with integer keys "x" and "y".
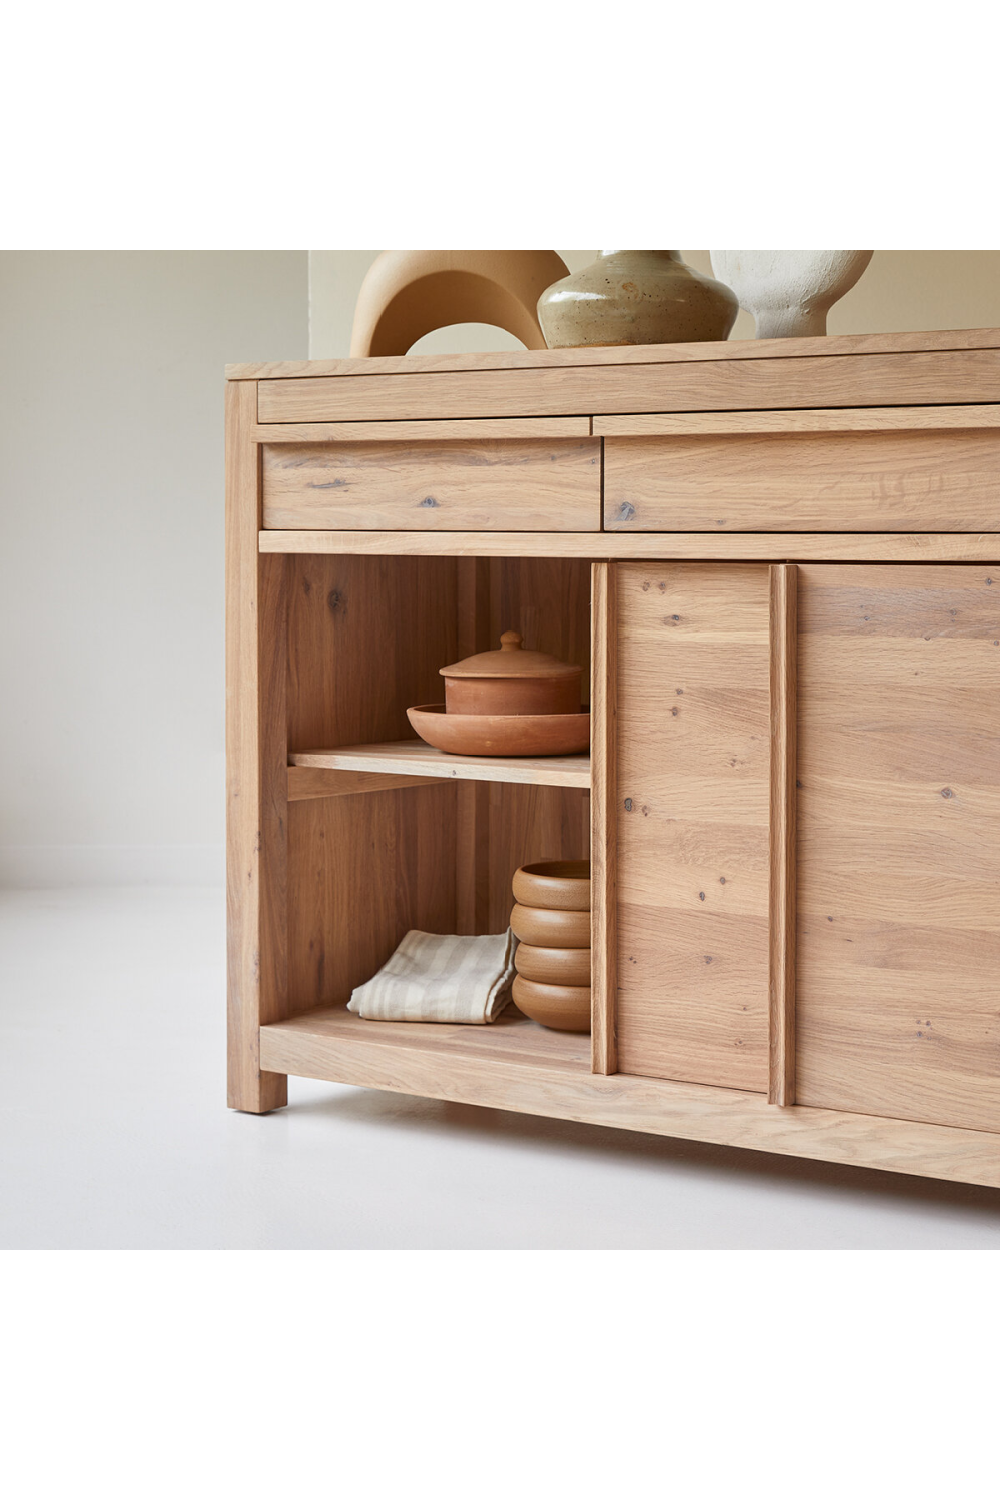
{"x": 115, "y": 1133}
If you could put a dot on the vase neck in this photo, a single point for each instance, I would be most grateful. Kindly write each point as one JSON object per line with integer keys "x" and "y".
{"x": 663, "y": 254}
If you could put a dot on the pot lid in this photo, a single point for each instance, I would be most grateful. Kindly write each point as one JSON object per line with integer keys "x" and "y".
{"x": 511, "y": 661}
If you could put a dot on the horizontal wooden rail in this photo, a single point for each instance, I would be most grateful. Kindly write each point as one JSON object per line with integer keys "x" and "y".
{"x": 432, "y": 431}
{"x": 694, "y": 546}
{"x": 847, "y": 419}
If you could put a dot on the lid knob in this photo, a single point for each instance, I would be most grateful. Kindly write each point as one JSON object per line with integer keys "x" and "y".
{"x": 510, "y": 641}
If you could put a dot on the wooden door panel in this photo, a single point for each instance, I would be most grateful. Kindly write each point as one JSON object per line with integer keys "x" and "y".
{"x": 692, "y": 822}
{"x": 898, "y": 973}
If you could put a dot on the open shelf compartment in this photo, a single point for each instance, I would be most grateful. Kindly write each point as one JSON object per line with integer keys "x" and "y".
{"x": 384, "y": 833}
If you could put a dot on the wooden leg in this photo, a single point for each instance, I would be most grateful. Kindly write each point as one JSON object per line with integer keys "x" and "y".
{"x": 256, "y": 778}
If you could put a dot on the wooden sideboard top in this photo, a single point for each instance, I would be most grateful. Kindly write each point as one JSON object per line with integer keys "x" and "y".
{"x": 635, "y": 354}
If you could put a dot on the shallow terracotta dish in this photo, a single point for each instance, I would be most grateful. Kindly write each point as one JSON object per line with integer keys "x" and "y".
{"x": 556, "y": 884}
{"x": 553, "y": 965}
{"x": 551, "y": 929}
{"x": 512, "y": 681}
{"x": 563, "y": 1007}
{"x": 501, "y": 734}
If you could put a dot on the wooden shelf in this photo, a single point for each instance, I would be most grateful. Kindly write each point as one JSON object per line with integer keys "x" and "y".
{"x": 414, "y": 758}
{"x": 512, "y": 1037}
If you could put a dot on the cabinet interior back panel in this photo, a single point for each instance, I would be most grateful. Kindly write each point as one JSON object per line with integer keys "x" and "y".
{"x": 692, "y": 822}
{"x": 898, "y": 981}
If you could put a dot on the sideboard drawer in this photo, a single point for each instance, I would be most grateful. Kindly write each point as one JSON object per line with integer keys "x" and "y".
{"x": 804, "y": 481}
{"x": 531, "y": 484}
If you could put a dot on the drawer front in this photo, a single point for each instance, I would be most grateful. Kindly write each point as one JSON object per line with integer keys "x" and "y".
{"x": 804, "y": 481}
{"x": 544, "y": 484}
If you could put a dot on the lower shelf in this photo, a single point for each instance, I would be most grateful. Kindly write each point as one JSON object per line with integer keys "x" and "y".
{"x": 519, "y": 1066}
{"x": 512, "y": 1038}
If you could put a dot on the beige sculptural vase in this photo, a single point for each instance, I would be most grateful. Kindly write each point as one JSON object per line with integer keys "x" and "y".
{"x": 636, "y": 297}
{"x": 409, "y": 293}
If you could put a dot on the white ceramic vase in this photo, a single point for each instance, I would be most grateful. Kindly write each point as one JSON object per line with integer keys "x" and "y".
{"x": 789, "y": 292}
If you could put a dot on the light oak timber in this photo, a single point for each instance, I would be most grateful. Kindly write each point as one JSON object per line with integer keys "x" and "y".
{"x": 781, "y": 898}
{"x": 692, "y": 822}
{"x": 305, "y": 782}
{"x": 898, "y": 995}
{"x": 362, "y": 872}
{"x": 413, "y": 757}
{"x": 256, "y": 810}
{"x": 551, "y": 484}
{"x": 604, "y": 816}
{"x": 334, "y": 631}
{"x": 488, "y": 428}
{"x": 364, "y": 869}
{"x": 906, "y": 481}
{"x": 547, "y": 600}
{"x": 945, "y": 378}
{"x": 472, "y": 827}
{"x": 696, "y": 546}
{"x": 640, "y": 354}
{"x": 859, "y": 419}
{"x": 508, "y": 1069}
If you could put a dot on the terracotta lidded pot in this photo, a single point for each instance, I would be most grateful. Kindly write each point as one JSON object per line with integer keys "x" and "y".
{"x": 512, "y": 682}
{"x": 636, "y": 297}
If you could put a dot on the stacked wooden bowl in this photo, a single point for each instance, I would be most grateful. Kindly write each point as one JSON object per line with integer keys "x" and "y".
{"x": 552, "y": 924}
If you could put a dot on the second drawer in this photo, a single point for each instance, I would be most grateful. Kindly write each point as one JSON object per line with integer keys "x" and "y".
{"x": 803, "y": 481}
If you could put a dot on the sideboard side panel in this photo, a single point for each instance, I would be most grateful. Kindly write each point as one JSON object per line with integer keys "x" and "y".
{"x": 256, "y": 781}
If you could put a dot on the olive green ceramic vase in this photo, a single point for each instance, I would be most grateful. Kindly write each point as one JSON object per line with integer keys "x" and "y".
{"x": 636, "y": 297}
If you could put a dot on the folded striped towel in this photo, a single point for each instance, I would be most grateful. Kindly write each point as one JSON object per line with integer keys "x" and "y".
{"x": 431, "y": 977}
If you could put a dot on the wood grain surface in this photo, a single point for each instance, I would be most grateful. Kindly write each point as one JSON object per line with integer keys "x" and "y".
{"x": 847, "y": 419}
{"x": 723, "y": 547}
{"x": 529, "y": 484}
{"x": 898, "y": 1009}
{"x": 413, "y": 758}
{"x": 604, "y": 815}
{"x": 256, "y": 810}
{"x": 366, "y": 637}
{"x": 520, "y": 1066}
{"x": 851, "y": 481}
{"x": 954, "y": 377}
{"x": 692, "y": 825}
{"x": 781, "y": 899}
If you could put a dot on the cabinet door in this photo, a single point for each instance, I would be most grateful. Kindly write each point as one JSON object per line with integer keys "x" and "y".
{"x": 897, "y": 1005}
{"x": 691, "y": 821}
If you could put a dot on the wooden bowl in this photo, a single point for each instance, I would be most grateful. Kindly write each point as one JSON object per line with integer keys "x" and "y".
{"x": 551, "y": 929}
{"x": 556, "y": 884}
{"x": 563, "y": 1007}
{"x": 501, "y": 734}
{"x": 553, "y": 965}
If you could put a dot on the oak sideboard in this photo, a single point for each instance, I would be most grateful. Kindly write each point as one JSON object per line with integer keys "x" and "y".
{"x": 778, "y": 563}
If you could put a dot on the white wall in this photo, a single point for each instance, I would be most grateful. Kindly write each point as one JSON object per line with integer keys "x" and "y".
{"x": 901, "y": 290}
{"x": 111, "y": 558}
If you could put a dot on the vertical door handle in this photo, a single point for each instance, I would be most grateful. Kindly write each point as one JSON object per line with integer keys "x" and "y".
{"x": 781, "y": 892}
